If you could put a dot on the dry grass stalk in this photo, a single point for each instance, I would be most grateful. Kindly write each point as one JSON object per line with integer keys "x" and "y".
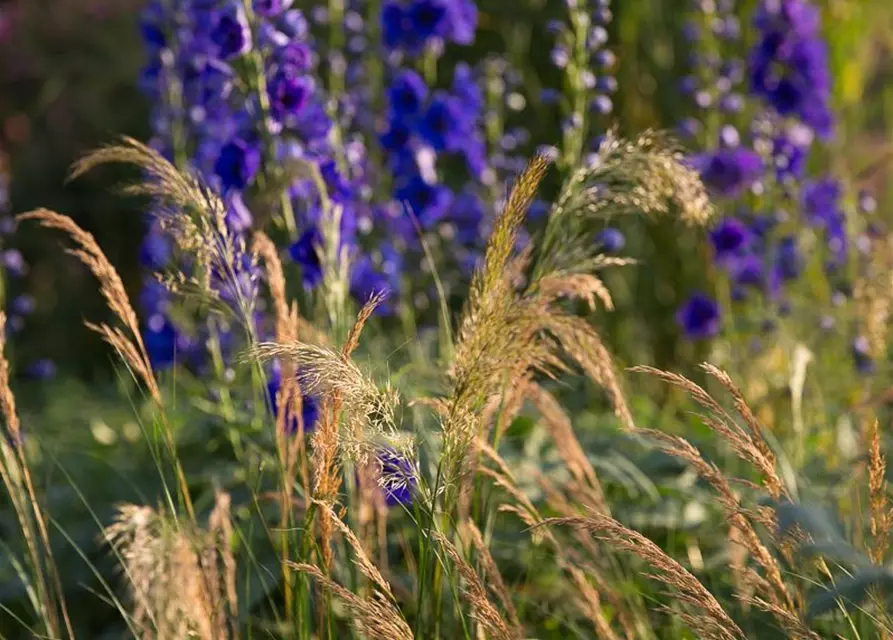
{"x": 590, "y": 603}
{"x": 194, "y": 216}
{"x": 157, "y": 553}
{"x": 376, "y": 617}
{"x": 741, "y": 573}
{"x": 583, "y": 344}
{"x": 748, "y": 444}
{"x": 366, "y": 566}
{"x": 881, "y": 511}
{"x": 344, "y": 391}
{"x": 873, "y": 293}
{"x": 777, "y": 594}
{"x": 16, "y": 475}
{"x": 131, "y": 347}
{"x": 571, "y": 559}
{"x": 264, "y": 247}
{"x": 559, "y": 426}
{"x": 507, "y": 331}
{"x": 483, "y": 610}
{"x": 353, "y": 338}
{"x": 493, "y": 576}
{"x": 713, "y": 624}
{"x": 221, "y": 527}
{"x": 580, "y": 286}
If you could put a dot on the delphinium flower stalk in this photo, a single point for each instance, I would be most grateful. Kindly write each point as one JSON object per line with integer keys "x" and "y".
{"x": 433, "y": 137}
{"x": 258, "y": 128}
{"x": 581, "y": 53}
{"x": 13, "y": 268}
{"x": 757, "y": 171}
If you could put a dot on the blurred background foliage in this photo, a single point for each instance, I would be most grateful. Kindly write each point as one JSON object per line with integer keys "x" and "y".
{"x": 69, "y": 71}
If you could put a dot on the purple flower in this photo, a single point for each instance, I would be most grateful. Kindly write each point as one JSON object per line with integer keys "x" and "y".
{"x": 861, "y": 351}
{"x": 14, "y": 262}
{"x": 398, "y": 478}
{"x": 23, "y": 305}
{"x": 238, "y": 217}
{"x": 699, "y": 317}
{"x": 231, "y": 34}
{"x": 237, "y": 164}
{"x": 294, "y": 58}
{"x": 370, "y": 277}
{"x": 748, "y": 271}
{"x": 788, "y": 263}
{"x": 397, "y": 137}
{"x": 789, "y": 63}
{"x": 294, "y": 24}
{"x": 304, "y": 252}
{"x": 429, "y": 202}
{"x": 289, "y": 94}
{"x": 428, "y": 19}
{"x": 611, "y": 240}
{"x": 445, "y": 125}
{"x": 393, "y": 17}
{"x": 271, "y": 8}
{"x": 42, "y": 369}
{"x": 156, "y": 250}
{"x": 465, "y": 88}
{"x": 154, "y": 296}
{"x": 729, "y": 238}
{"x": 820, "y": 201}
{"x": 463, "y": 21}
{"x": 467, "y": 213}
{"x": 163, "y": 342}
{"x": 728, "y": 172}
{"x": 407, "y": 94}
{"x": 309, "y": 404}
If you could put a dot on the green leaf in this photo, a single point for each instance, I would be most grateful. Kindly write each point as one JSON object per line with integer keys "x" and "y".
{"x": 850, "y": 591}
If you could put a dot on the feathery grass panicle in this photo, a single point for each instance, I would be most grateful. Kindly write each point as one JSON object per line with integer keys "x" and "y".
{"x": 194, "y": 216}
{"x": 748, "y": 444}
{"x": 484, "y": 611}
{"x": 881, "y": 510}
{"x": 583, "y": 344}
{"x": 130, "y": 347}
{"x": 713, "y": 623}
{"x": 186, "y": 208}
{"x": 7, "y": 399}
{"x": 778, "y": 599}
{"x": 507, "y": 332}
{"x": 157, "y": 552}
{"x": 647, "y": 175}
{"x": 369, "y": 409}
{"x": 503, "y": 237}
{"x": 353, "y": 337}
{"x": 376, "y": 617}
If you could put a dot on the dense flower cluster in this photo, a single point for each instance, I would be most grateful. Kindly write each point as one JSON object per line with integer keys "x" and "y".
{"x": 788, "y": 66}
{"x": 236, "y": 96}
{"x": 417, "y": 24}
{"x": 764, "y": 176}
{"x": 426, "y": 127}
